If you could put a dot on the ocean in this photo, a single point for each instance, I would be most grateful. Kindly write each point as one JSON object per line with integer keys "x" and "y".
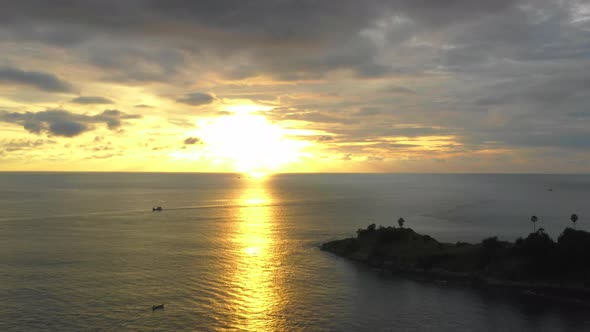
{"x": 85, "y": 251}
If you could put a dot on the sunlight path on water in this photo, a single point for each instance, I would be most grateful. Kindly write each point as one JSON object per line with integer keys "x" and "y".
{"x": 256, "y": 280}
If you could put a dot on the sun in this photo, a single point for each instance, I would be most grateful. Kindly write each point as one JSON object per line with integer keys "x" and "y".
{"x": 250, "y": 143}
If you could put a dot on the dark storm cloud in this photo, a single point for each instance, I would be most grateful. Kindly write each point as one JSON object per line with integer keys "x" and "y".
{"x": 55, "y": 33}
{"x": 371, "y": 111}
{"x": 580, "y": 114}
{"x": 536, "y": 31}
{"x": 290, "y": 18}
{"x": 65, "y": 123}
{"x": 196, "y": 99}
{"x": 135, "y": 62}
{"x": 545, "y": 91}
{"x": 440, "y": 13}
{"x": 574, "y": 139}
{"x": 322, "y": 36}
{"x": 40, "y": 80}
{"x": 400, "y": 90}
{"x": 88, "y": 100}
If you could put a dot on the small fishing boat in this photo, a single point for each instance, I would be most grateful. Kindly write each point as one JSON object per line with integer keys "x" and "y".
{"x": 159, "y": 208}
{"x": 158, "y": 307}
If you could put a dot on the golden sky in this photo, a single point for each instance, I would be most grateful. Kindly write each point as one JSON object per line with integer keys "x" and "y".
{"x": 295, "y": 86}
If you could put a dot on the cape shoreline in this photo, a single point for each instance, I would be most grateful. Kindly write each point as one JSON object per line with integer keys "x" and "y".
{"x": 535, "y": 265}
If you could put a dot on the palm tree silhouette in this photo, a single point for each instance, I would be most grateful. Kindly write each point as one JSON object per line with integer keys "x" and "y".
{"x": 574, "y": 218}
{"x": 401, "y": 222}
{"x": 534, "y": 221}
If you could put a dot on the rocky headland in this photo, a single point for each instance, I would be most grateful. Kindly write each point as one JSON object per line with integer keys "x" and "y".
{"x": 536, "y": 264}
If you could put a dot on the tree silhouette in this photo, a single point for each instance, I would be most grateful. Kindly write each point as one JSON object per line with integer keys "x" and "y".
{"x": 574, "y": 218}
{"x": 534, "y": 221}
{"x": 401, "y": 222}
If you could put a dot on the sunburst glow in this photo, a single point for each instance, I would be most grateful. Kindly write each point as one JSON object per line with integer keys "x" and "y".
{"x": 251, "y": 143}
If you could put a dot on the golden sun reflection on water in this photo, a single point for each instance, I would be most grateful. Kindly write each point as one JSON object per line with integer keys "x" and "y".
{"x": 256, "y": 260}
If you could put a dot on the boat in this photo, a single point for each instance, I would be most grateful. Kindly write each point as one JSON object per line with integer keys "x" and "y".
{"x": 158, "y": 307}
{"x": 159, "y": 208}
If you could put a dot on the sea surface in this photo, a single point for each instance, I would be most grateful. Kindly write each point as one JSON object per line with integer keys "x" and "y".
{"x": 84, "y": 251}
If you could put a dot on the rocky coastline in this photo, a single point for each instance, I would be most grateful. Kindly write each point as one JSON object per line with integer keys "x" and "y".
{"x": 536, "y": 264}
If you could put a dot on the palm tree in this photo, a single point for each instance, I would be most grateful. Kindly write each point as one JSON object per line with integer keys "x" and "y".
{"x": 534, "y": 221}
{"x": 401, "y": 222}
{"x": 574, "y": 218}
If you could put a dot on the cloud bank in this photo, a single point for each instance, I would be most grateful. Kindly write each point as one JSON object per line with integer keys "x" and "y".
{"x": 40, "y": 80}
{"x": 378, "y": 80}
{"x": 89, "y": 100}
{"x": 64, "y": 123}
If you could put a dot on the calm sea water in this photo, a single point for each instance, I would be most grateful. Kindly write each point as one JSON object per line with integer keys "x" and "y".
{"x": 84, "y": 251}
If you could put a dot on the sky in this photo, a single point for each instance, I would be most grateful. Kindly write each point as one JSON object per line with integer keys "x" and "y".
{"x": 295, "y": 86}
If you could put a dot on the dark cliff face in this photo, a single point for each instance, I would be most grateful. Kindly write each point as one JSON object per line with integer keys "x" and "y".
{"x": 535, "y": 258}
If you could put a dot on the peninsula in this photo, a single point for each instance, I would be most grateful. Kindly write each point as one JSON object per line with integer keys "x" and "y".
{"x": 536, "y": 263}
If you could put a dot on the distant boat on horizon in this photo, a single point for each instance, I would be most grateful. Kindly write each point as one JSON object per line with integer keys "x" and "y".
{"x": 159, "y": 208}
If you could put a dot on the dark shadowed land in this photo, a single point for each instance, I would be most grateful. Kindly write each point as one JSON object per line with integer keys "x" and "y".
{"x": 536, "y": 264}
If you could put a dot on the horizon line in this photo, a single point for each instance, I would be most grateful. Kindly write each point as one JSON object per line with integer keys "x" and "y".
{"x": 287, "y": 173}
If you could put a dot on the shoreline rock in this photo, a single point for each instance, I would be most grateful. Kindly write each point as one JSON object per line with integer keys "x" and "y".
{"x": 536, "y": 265}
